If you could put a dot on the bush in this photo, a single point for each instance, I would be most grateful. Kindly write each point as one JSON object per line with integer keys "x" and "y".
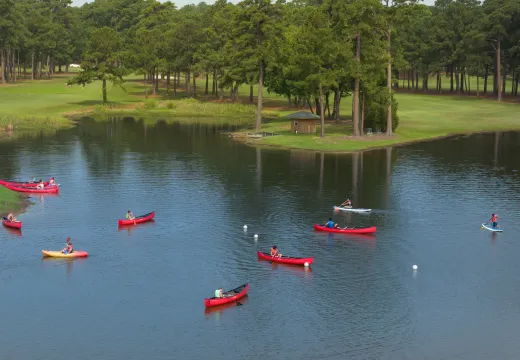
{"x": 150, "y": 104}
{"x": 376, "y": 110}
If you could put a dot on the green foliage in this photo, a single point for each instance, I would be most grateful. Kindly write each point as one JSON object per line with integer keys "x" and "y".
{"x": 150, "y": 104}
{"x": 101, "y": 60}
{"x": 376, "y": 110}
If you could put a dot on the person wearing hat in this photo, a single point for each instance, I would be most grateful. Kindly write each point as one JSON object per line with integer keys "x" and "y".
{"x": 129, "y": 215}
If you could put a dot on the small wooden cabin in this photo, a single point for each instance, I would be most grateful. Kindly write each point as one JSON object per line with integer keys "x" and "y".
{"x": 303, "y": 122}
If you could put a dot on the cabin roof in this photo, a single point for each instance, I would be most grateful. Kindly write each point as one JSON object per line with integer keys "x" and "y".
{"x": 302, "y": 115}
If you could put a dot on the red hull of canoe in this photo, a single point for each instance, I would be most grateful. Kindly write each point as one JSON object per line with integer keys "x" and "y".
{"x": 24, "y": 184}
{"x": 48, "y": 190}
{"x": 12, "y": 224}
{"x": 285, "y": 260}
{"x": 368, "y": 230}
{"x": 137, "y": 220}
{"x": 221, "y": 301}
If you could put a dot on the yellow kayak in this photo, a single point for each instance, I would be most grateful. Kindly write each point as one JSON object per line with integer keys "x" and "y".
{"x": 59, "y": 254}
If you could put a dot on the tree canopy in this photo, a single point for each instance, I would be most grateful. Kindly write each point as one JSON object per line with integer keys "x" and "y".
{"x": 313, "y": 52}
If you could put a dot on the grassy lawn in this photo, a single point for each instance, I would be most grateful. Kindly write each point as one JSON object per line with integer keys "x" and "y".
{"x": 48, "y": 104}
{"x": 422, "y": 117}
{"x": 11, "y": 201}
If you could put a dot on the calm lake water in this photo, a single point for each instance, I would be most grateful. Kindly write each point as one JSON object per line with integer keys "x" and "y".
{"x": 140, "y": 293}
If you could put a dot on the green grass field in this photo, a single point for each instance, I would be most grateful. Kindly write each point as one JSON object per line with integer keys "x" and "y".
{"x": 10, "y": 201}
{"x": 48, "y": 103}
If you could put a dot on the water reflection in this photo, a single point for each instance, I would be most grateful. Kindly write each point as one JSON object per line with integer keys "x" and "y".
{"x": 14, "y": 232}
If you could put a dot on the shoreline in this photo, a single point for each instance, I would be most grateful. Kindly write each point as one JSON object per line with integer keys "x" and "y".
{"x": 11, "y": 201}
{"x": 251, "y": 142}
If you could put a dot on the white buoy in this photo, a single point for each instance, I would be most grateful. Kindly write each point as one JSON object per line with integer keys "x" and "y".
{"x": 306, "y": 264}
{"x": 415, "y": 267}
{"x": 245, "y": 227}
{"x": 256, "y": 236}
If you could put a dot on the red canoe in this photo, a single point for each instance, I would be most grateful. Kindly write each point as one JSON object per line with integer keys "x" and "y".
{"x": 137, "y": 220}
{"x": 368, "y": 230}
{"x": 229, "y": 296}
{"x": 24, "y": 184}
{"x": 11, "y": 224}
{"x": 285, "y": 259}
{"x": 46, "y": 190}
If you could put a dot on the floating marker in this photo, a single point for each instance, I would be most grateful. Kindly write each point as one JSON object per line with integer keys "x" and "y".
{"x": 415, "y": 267}
{"x": 306, "y": 264}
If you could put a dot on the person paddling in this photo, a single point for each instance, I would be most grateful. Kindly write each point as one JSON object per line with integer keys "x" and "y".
{"x": 69, "y": 248}
{"x": 130, "y": 215}
{"x": 346, "y": 204}
{"x": 52, "y": 181}
{"x": 493, "y": 220}
{"x": 11, "y": 217}
{"x": 274, "y": 252}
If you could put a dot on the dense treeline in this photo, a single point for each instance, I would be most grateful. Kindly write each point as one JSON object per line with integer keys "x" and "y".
{"x": 313, "y": 52}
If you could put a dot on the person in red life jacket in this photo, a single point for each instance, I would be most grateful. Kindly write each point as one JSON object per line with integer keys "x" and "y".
{"x": 494, "y": 220}
{"x": 69, "y": 248}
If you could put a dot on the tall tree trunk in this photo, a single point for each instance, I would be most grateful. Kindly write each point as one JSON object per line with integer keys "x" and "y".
{"x": 478, "y": 86}
{"x": 322, "y": 113}
{"x": 156, "y": 81}
{"x": 327, "y": 98}
{"x": 40, "y": 68}
{"x": 175, "y": 80}
{"x": 355, "y": 94}
{"x": 451, "y": 77}
{"x": 251, "y": 94}
{"x": 516, "y": 84}
{"x": 457, "y": 81}
{"x": 194, "y": 86}
{"x": 513, "y": 83}
{"x": 504, "y": 79}
{"x": 468, "y": 85}
{"x": 337, "y": 98}
{"x": 59, "y": 68}
{"x": 32, "y": 65}
{"x": 188, "y": 90}
{"x": 409, "y": 76}
{"x": 48, "y": 67}
{"x": 207, "y": 84}
{"x": 389, "y": 84}
{"x": 168, "y": 74}
{"x": 486, "y": 79}
{"x": 499, "y": 87}
{"x": 214, "y": 87}
{"x": 462, "y": 79}
{"x": 67, "y": 68}
{"x": 2, "y": 65}
{"x": 104, "y": 91}
{"x": 363, "y": 115}
{"x": 258, "y": 123}
{"x": 145, "y": 88}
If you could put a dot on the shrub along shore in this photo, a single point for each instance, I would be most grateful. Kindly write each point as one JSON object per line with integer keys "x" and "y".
{"x": 51, "y": 104}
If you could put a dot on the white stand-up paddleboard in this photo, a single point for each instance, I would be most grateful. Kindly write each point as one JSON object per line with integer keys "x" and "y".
{"x": 490, "y": 228}
{"x": 337, "y": 208}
